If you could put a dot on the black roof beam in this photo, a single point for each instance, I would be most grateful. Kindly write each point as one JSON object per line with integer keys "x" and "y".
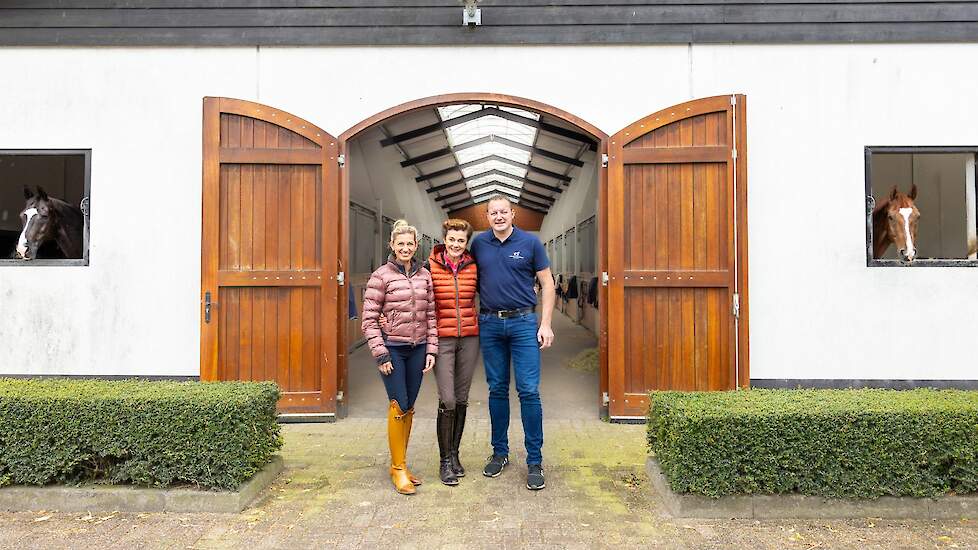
{"x": 494, "y": 139}
{"x": 444, "y": 186}
{"x": 432, "y": 128}
{"x": 536, "y": 150}
{"x": 450, "y": 195}
{"x": 504, "y": 160}
{"x": 539, "y": 124}
{"x": 497, "y": 172}
{"x": 492, "y": 111}
{"x": 439, "y": 173}
{"x": 522, "y": 192}
{"x": 521, "y": 200}
{"x": 472, "y": 199}
{"x": 445, "y": 152}
{"x": 527, "y": 167}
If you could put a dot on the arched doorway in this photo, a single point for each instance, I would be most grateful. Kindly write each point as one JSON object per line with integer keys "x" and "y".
{"x": 569, "y": 125}
{"x": 671, "y": 253}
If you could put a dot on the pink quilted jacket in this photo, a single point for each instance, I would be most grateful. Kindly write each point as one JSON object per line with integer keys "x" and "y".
{"x": 407, "y": 301}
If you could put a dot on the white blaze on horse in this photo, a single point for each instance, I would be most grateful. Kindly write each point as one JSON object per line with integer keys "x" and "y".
{"x": 47, "y": 219}
{"x": 895, "y": 222}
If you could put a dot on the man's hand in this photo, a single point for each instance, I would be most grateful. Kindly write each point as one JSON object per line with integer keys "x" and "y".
{"x": 545, "y": 336}
{"x": 386, "y": 368}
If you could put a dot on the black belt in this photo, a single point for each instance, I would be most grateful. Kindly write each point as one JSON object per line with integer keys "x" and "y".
{"x": 507, "y": 313}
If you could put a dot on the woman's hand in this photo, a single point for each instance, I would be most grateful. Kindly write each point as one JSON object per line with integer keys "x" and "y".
{"x": 386, "y": 368}
{"x": 429, "y": 362}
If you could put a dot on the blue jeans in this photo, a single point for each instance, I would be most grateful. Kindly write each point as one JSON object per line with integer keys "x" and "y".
{"x": 404, "y": 382}
{"x": 515, "y": 339}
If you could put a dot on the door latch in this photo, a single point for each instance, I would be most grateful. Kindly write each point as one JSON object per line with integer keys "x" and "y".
{"x": 207, "y": 306}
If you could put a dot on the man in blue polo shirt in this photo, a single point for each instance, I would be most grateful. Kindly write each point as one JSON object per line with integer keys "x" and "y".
{"x": 509, "y": 260}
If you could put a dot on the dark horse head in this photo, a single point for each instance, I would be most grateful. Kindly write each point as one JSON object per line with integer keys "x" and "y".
{"x": 48, "y": 219}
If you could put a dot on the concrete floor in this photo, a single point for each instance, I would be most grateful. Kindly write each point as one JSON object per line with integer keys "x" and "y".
{"x": 566, "y": 393}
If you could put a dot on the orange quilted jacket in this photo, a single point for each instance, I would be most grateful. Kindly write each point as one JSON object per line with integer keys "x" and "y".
{"x": 454, "y": 295}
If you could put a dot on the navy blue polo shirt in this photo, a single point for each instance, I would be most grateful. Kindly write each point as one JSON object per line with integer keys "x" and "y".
{"x": 507, "y": 269}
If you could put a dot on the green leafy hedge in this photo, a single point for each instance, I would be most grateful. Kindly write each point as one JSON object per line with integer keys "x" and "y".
{"x": 835, "y": 443}
{"x": 213, "y": 435}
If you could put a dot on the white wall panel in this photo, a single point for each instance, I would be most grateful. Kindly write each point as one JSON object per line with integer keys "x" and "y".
{"x": 816, "y": 310}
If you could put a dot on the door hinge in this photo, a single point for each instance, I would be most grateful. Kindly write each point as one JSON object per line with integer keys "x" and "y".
{"x": 341, "y": 160}
{"x": 605, "y": 400}
{"x": 341, "y": 278}
{"x": 339, "y": 395}
{"x": 735, "y": 309}
{"x": 733, "y": 153}
{"x": 604, "y": 160}
{"x": 733, "y": 100}
{"x": 604, "y": 278}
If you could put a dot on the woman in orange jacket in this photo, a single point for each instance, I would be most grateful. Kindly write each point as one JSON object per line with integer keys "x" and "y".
{"x": 454, "y": 276}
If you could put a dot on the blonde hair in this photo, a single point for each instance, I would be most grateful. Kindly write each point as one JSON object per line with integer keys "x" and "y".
{"x": 455, "y": 224}
{"x": 401, "y": 227}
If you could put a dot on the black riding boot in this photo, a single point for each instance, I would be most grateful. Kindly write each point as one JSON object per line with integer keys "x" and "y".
{"x": 446, "y": 427}
{"x": 457, "y": 438}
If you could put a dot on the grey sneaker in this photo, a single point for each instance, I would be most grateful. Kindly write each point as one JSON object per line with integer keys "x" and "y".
{"x": 534, "y": 477}
{"x": 495, "y": 465}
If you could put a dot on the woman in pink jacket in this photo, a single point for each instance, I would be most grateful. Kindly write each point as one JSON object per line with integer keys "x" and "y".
{"x": 406, "y": 347}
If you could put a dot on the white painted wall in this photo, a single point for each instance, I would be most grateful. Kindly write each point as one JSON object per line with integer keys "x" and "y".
{"x": 816, "y": 310}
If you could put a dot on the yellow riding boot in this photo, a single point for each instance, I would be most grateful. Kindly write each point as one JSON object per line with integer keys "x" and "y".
{"x": 397, "y": 427}
{"x": 409, "y": 418}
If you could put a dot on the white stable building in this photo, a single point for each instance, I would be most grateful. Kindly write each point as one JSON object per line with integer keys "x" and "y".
{"x": 708, "y": 170}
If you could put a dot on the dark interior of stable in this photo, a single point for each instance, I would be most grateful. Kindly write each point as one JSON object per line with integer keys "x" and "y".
{"x": 447, "y": 161}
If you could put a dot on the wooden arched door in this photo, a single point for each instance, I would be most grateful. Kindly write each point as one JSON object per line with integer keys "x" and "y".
{"x": 677, "y": 254}
{"x": 268, "y": 286}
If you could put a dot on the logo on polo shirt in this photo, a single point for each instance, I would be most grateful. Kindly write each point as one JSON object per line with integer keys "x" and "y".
{"x": 516, "y": 256}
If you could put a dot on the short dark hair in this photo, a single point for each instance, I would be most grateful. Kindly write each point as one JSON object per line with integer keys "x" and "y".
{"x": 499, "y": 197}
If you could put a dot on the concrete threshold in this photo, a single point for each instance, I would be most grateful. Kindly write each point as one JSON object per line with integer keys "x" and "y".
{"x": 806, "y": 506}
{"x": 123, "y": 498}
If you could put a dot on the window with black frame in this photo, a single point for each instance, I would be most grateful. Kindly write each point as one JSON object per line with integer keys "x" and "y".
{"x": 44, "y": 206}
{"x": 920, "y": 206}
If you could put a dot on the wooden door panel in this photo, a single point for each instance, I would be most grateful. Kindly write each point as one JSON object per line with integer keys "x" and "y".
{"x": 672, "y": 260}
{"x": 269, "y": 186}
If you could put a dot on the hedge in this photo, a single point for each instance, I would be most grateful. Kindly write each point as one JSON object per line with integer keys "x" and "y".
{"x": 833, "y": 443}
{"x": 212, "y": 435}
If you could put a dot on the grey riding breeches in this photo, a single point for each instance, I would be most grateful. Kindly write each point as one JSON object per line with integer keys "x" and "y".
{"x": 454, "y": 368}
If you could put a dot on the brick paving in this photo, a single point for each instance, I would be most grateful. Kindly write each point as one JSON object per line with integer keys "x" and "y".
{"x": 335, "y": 494}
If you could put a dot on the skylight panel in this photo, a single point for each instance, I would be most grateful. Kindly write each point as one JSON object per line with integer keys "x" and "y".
{"x": 490, "y": 125}
{"x": 493, "y": 165}
{"x": 483, "y": 194}
{"x": 475, "y": 182}
{"x": 493, "y": 148}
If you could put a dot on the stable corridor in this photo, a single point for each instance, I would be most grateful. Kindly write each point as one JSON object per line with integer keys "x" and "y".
{"x": 566, "y": 393}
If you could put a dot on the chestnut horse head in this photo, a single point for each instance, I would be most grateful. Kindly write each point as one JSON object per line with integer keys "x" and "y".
{"x": 895, "y": 221}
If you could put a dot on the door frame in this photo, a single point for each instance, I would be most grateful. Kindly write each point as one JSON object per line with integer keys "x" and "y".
{"x": 476, "y": 97}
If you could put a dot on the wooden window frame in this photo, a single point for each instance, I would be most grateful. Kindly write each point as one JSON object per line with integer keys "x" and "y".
{"x": 870, "y": 203}
{"x": 87, "y": 193}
